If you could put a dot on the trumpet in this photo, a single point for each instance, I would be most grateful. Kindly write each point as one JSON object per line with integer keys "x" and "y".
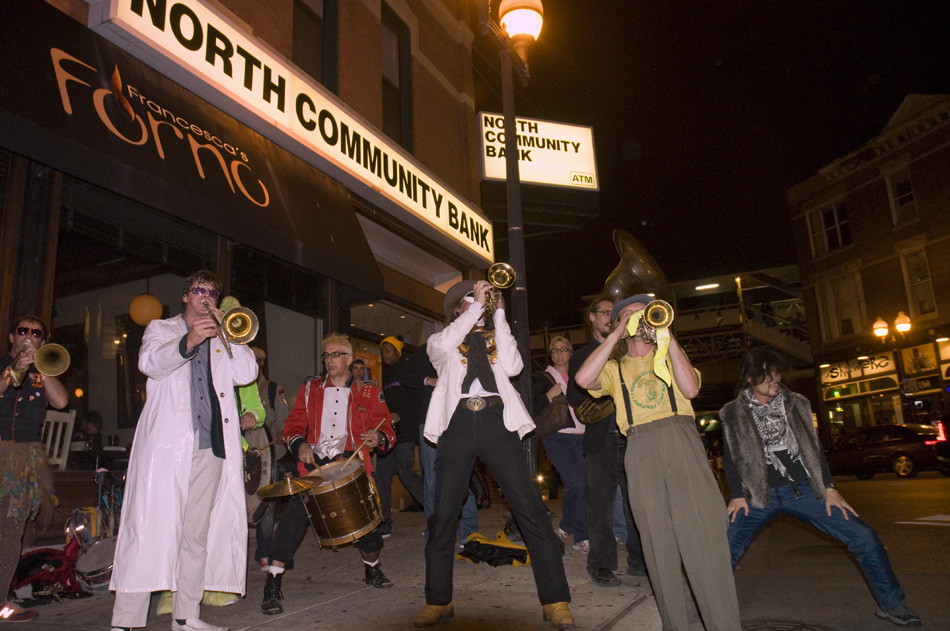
{"x": 501, "y": 276}
{"x": 51, "y": 360}
{"x": 237, "y": 326}
{"x": 658, "y": 314}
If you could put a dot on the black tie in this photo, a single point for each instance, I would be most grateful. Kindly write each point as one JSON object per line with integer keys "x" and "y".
{"x": 478, "y": 364}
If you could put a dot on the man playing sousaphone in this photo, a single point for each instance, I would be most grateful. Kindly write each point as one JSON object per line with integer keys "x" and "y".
{"x": 675, "y": 500}
{"x": 333, "y": 417}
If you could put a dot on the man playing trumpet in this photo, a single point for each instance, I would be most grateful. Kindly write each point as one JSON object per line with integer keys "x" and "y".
{"x": 675, "y": 500}
{"x": 25, "y": 394}
{"x": 184, "y": 519}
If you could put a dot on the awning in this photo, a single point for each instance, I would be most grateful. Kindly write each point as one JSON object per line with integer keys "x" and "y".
{"x": 81, "y": 105}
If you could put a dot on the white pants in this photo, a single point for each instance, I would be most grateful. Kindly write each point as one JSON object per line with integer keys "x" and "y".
{"x": 131, "y": 608}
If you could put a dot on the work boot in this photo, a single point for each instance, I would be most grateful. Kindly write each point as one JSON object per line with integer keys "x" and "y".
{"x": 433, "y": 614}
{"x": 559, "y": 615}
{"x": 272, "y": 595}
{"x": 376, "y": 578}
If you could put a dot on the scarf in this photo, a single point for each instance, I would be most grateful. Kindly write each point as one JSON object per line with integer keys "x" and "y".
{"x": 773, "y": 427}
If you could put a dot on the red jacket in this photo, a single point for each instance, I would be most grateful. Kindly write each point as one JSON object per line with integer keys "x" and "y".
{"x": 367, "y": 408}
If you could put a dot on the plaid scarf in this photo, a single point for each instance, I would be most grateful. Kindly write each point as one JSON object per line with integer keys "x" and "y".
{"x": 774, "y": 429}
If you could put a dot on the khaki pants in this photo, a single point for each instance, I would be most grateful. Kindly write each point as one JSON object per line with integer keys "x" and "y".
{"x": 682, "y": 520}
{"x": 131, "y": 608}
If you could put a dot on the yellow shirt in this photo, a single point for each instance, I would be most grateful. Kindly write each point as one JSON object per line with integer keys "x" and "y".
{"x": 649, "y": 396}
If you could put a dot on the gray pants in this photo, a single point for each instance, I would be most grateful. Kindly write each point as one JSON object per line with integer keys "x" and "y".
{"x": 131, "y": 608}
{"x": 682, "y": 520}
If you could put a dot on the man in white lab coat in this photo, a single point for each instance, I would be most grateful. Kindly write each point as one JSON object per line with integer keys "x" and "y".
{"x": 184, "y": 522}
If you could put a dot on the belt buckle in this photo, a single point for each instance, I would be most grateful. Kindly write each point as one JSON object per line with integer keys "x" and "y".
{"x": 476, "y": 404}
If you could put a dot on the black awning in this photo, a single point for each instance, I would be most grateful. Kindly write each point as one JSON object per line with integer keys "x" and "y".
{"x": 79, "y": 104}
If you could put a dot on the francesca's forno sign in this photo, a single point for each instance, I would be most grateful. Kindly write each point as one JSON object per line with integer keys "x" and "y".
{"x": 548, "y": 153}
{"x": 208, "y": 45}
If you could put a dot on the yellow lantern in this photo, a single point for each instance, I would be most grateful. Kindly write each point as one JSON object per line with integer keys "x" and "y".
{"x": 144, "y": 309}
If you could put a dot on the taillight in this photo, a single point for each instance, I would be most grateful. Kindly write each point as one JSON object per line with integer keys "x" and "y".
{"x": 941, "y": 435}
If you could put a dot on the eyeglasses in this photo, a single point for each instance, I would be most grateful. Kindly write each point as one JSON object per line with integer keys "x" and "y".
{"x": 25, "y": 330}
{"x": 334, "y": 355}
{"x": 561, "y": 350}
{"x": 198, "y": 290}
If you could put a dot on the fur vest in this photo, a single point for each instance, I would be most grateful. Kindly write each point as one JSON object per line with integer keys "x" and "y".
{"x": 748, "y": 452}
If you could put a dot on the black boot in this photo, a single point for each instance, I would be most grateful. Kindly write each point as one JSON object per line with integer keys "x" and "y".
{"x": 376, "y": 578}
{"x": 272, "y": 595}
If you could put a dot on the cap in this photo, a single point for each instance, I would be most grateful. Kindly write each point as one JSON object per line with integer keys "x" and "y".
{"x": 455, "y": 292}
{"x": 641, "y": 298}
{"x": 396, "y": 343}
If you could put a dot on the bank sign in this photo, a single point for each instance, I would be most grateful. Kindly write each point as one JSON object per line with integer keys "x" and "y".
{"x": 549, "y": 153}
{"x": 292, "y": 109}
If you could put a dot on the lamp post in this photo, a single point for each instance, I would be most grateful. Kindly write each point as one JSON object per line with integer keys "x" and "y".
{"x": 881, "y": 329}
{"x": 521, "y": 22}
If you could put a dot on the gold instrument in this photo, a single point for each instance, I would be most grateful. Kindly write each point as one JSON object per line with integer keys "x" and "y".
{"x": 501, "y": 276}
{"x": 238, "y": 326}
{"x": 638, "y": 273}
{"x": 51, "y": 360}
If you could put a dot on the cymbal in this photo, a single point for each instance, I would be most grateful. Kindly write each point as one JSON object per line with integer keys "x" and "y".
{"x": 289, "y": 486}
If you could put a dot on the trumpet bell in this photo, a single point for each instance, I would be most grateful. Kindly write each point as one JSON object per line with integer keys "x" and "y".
{"x": 240, "y": 325}
{"x": 658, "y": 314}
{"x": 501, "y": 275}
{"x": 51, "y": 359}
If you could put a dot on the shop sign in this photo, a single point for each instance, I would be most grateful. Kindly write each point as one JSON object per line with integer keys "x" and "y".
{"x": 549, "y": 153}
{"x": 857, "y": 368}
{"x": 292, "y": 107}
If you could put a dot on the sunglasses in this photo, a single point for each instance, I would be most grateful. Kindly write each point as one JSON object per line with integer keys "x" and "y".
{"x": 198, "y": 290}
{"x": 25, "y": 330}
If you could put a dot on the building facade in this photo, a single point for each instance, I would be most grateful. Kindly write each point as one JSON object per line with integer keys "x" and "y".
{"x": 319, "y": 155}
{"x": 872, "y": 231}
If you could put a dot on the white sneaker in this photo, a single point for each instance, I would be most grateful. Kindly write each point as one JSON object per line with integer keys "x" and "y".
{"x": 582, "y": 546}
{"x": 196, "y": 624}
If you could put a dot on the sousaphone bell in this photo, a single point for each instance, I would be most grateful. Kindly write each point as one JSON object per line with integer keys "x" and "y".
{"x": 638, "y": 273}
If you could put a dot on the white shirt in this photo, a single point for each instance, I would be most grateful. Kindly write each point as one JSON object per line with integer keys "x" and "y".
{"x": 333, "y": 431}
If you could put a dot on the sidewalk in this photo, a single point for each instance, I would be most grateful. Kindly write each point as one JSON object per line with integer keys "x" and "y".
{"x": 326, "y": 591}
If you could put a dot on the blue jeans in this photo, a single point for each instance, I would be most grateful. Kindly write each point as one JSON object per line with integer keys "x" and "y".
{"x": 862, "y": 541}
{"x": 566, "y": 453}
{"x": 469, "y": 520}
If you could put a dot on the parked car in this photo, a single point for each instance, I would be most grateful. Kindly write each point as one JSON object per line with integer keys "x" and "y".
{"x": 902, "y": 449}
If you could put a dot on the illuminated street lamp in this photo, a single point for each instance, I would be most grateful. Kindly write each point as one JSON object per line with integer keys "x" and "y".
{"x": 882, "y": 330}
{"x": 521, "y": 22}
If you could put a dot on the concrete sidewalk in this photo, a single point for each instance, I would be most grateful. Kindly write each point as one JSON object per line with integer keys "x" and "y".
{"x": 326, "y": 591}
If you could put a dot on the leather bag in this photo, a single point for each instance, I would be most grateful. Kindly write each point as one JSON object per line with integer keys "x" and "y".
{"x": 553, "y": 417}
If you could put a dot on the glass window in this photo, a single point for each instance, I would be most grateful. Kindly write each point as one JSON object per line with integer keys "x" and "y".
{"x": 901, "y": 191}
{"x": 315, "y": 40}
{"x": 828, "y": 228}
{"x": 396, "y": 65}
{"x": 919, "y": 285}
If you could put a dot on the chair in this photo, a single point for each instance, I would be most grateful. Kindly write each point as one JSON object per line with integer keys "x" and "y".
{"x": 57, "y": 433}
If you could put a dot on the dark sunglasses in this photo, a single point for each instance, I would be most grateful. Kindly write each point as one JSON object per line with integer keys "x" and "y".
{"x": 198, "y": 290}
{"x": 25, "y": 330}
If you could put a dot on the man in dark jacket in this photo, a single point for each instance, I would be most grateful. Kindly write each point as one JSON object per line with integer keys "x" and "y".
{"x": 774, "y": 464}
{"x": 604, "y": 449}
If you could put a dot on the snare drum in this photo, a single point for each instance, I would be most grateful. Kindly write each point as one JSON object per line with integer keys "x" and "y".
{"x": 94, "y": 566}
{"x": 345, "y": 506}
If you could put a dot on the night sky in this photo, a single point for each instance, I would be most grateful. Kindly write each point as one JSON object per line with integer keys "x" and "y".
{"x": 705, "y": 113}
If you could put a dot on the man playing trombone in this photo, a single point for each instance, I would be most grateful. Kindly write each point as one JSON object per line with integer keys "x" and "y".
{"x": 677, "y": 505}
{"x": 25, "y": 393}
{"x": 184, "y": 519}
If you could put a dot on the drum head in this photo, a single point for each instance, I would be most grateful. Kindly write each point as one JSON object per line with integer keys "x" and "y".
{"x": 336, "y": 471}
{"x": 259, "y": 470}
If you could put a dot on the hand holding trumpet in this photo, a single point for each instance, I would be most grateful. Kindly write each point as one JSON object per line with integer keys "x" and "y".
{"x": 203, "y": 327}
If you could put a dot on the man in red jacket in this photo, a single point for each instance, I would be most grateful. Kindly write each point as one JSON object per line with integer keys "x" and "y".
{"x": 333, "y": 416}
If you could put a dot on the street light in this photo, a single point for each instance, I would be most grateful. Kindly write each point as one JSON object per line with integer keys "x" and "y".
{"x": 521, "y": 22}
{"x": 882, "y": 330}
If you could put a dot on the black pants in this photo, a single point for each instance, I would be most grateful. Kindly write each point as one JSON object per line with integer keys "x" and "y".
{"x": 483, "y": 434}
{"x": 604, "y": 472}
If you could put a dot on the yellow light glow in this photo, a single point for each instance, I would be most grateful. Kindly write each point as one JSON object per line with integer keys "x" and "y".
{"x": 942, "y": 339}
{"x": 902, "y": 322}
{"x": 880, "y": 327}
{"x": 709, "y": 286}
{"x": 521, "y": 17}
{"x": 78, "y": 392}
{"x": 862, "y": 357}
{"x": 824, "y": 365}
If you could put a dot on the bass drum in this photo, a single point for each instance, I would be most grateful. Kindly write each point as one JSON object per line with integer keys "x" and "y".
{"x": 260, "y": 469}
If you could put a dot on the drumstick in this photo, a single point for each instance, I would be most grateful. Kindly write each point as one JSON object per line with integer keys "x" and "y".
{"x": 352, "y": 455}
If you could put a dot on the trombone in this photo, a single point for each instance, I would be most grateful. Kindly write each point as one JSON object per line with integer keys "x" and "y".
{"x": 237, "y": 326}
{"x": 50, "y": 360}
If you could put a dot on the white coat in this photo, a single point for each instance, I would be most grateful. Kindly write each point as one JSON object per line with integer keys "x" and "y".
{"x": 156, "y": 490}
{"x": 447, "y": 361}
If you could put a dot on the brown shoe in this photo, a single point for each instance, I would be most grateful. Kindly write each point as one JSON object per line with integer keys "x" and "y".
{"x": 559, "y": 615}
{"x": 433, "y": 614}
